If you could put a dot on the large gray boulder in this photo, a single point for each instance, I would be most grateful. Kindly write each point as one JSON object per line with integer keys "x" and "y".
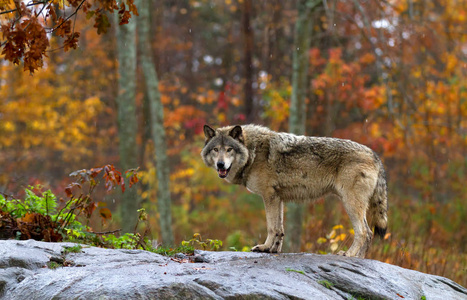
{"x": 28, "y": 270}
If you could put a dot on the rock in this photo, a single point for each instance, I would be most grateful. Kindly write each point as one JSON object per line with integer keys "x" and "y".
{"x": 95, "y": 273}
{"x": 200, "y": 258}
{"x": 181, "y": 256}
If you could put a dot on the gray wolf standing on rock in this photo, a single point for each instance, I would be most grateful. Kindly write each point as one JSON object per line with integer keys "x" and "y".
{"x": 284, "y": 167}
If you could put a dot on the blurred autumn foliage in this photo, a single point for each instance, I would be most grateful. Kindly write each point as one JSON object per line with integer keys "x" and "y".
{"x": 388, "y": 74}
{"x": 26, "y": 27}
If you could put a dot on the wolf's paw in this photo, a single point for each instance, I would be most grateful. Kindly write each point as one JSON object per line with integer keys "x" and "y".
{"x": 347, "y": 253}
{"x": 265, "y": 248}
{"x": 275, "y": 248}
{"x": 273, "y": 244}
{"x": 260, "y": 248}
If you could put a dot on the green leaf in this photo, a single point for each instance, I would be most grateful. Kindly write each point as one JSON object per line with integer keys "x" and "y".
{"x": 90, "y": 14}
{"x": 293, "y": 270}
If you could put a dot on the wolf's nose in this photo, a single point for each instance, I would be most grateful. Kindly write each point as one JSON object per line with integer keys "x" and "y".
{"x": 220, "y": 165}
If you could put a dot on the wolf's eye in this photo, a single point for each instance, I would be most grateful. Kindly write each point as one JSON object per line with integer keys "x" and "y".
{"x": 230, "y": 149}
{"x": 215, "y": 150}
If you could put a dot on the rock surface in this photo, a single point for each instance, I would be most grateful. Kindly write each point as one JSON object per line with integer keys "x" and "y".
{"x": 26, "y": 272}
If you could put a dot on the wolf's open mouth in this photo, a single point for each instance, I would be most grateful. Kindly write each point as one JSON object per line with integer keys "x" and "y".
{"x": 223, "y": 172}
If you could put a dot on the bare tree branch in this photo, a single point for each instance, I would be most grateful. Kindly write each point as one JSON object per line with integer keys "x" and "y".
{"x": 27, "y": 5}
{"x": 70, "y": 16}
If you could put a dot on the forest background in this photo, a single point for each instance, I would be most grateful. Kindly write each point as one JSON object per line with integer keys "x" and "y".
{"x": 388, "y": 74}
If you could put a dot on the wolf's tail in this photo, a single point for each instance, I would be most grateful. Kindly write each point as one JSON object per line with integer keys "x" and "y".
{"x": 378, "y": 212}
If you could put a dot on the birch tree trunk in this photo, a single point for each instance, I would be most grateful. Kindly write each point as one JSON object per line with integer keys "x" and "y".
{"x": 302, "y": 38}
{"x": 127, "y": 125}
{"x": 248, "y": 61}
{"x": 156, "y": 112}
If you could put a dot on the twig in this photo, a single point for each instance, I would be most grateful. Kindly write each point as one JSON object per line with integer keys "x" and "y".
{"x": 46, "y": 205}
{"x": 27, "y": 5}
{"x": 69, "y": 17}
{"x": 106, "y": 232}
{"x": 69, "y": 202}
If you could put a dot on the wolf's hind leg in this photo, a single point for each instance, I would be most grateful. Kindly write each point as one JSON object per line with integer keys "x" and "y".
{"x": 274, "y": 220}
{"x": 357, "y": 213}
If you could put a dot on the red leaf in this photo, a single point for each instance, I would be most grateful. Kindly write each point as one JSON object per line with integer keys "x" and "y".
{"x": 69, "y": 188}
{"x": 105, "y": 213}
{"x": 71, "y": 41}
{"x": 124, "y": 18}
{"x": 89, "y": 209}
{"x": 132, "y": 175}
{"x": 64, "y": 27}
{"x": 94, "y": 172}
{"x": 132, "y": 7}
{"x": 122, "y": 183}
{"x": 51, "y": 12}
{"x": 102, "y": 23}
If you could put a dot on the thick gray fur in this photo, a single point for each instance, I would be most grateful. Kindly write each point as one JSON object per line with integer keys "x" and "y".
{"x": 283, "y": 167}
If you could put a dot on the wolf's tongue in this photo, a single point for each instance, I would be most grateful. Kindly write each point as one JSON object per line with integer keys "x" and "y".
{"x": 222, "y": 172}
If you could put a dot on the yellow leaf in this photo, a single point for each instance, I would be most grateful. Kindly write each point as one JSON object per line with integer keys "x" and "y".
{"x": 331, "y": 235}
{"x": 246, "y": 249}
{"x": 321, "y": 240}
{"x": 9, "y": 126}
{"x": 334, "y": 247}
{"x": 417, "y": 73}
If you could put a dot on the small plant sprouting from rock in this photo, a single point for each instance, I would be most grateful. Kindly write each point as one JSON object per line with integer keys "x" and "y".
{"x": 166, "y": 251}
{"x": 208, "y": 243}
{"x": 293, "y": 270}
{"x": 188, "y": 247}
{"x": 53, "y": 265}
{"x": 423, "y": 298}
{"x": 59, "y": 261}
{"x": 326, "y": 284}
{"x": 356, "y": 298}
{"x": 72, "y": 249}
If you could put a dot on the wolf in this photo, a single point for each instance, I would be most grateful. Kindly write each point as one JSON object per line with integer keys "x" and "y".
{"x": 283, "y": 167}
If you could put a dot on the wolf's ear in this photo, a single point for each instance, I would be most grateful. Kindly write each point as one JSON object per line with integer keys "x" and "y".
{"x": 237, "y": 133}
{"x": 209, "y": 133}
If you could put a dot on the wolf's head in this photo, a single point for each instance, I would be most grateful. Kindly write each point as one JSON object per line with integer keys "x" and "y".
{"x": 225, "y": 150}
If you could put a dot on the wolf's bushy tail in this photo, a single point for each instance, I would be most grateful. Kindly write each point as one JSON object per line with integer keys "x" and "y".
{"x": 378, "y": 212}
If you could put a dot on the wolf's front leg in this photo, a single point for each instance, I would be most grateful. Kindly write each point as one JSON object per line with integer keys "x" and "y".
{"x": 274, "y": 221}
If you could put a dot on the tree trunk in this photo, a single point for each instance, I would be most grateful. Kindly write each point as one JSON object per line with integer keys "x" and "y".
{"x": 298, "y": 109}
{"x": 156, "y": 111}
{"x": 127, "y": 125}
{"x": 248, "y": 61}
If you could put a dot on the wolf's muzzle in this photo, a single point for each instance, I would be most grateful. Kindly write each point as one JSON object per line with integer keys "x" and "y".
{"x": 221, "y": 170}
